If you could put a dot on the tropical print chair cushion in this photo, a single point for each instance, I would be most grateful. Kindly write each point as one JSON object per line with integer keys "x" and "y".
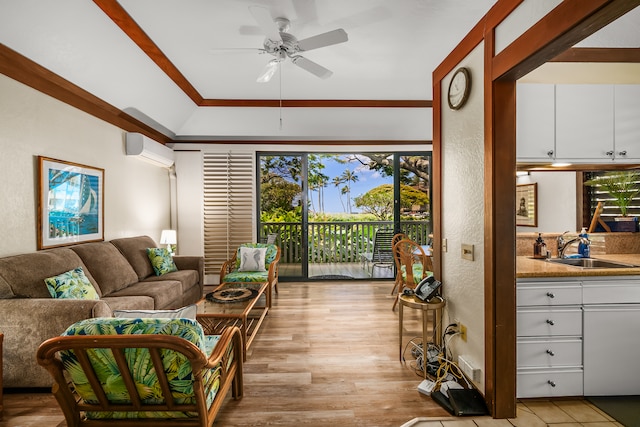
{"x": 177, "y": 368}
{"x": 73, "y": 284}
{"x": 417, "y": 273}
{"x": 270, "y": 255}
{"x": 161, "y": 261}
{"x": 247, "y": 276}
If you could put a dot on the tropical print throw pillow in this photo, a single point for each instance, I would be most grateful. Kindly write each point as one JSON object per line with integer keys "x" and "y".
{"x": 72, "y": 284}
{"x": 161, "y": 261}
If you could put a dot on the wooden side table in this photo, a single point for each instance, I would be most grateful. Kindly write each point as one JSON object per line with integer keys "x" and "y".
{"x": 436, "y": 305}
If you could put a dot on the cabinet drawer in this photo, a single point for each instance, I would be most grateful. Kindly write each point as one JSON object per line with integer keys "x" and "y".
{"x": 616, "y": 291}
{"x": 549, "y": 322}
{"x": 549, "y": 383}
{"x": 538, "y": 353}
{"x": 549, "y": 294}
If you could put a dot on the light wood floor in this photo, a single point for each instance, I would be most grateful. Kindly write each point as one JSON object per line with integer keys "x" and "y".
{"x": 327, "y": 355}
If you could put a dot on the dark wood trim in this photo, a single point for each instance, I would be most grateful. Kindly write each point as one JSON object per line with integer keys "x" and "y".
{"x": 567, "y": 24}
{"x": 317, "y": 103}
{"x": 599, "y": 54}
{"x": 24, "y": 70}
{"x": 123, "y": 20}
{"x": 130, "y": 27}
{"x": 390, "y": 143}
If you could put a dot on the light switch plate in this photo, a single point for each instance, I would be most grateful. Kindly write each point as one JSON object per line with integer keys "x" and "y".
{"x": 467, "y": 251}
{"x": 444, "y": 245}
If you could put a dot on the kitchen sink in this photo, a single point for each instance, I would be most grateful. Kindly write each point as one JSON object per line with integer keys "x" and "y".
{"x": 590, "y": 263}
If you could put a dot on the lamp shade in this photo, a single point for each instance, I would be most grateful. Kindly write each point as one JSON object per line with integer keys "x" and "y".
{"x": 168, "y": 237}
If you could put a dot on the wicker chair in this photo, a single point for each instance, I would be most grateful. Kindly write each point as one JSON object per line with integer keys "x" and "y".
{"x": 142, "y": 372}
{"x": 412, "y": 264}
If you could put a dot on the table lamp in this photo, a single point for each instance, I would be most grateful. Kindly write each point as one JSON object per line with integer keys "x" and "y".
{"x": 169, "y": 237}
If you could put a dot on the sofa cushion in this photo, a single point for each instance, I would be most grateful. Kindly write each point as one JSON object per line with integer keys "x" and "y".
{"x": 161, "y": 261}
{"x": 71, "y": 285}
{"x": 133, "y": 302}
{"x": 135, "y": 250}
{"x": 5, "y": 289}
{"x": 107, "y": 265}
{"x": 165, "y": 294}
{"x": 25, "y": 273}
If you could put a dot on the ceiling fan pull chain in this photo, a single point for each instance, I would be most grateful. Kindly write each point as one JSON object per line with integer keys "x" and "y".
{"x": 280, "y": 65}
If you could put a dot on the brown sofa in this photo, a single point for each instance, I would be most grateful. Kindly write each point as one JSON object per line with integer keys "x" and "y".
{"x": 119, "y": 270}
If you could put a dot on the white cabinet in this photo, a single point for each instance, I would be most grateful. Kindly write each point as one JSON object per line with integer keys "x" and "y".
{"x": 549, "y": 338}
{"x": 611, "y": 339}
{"x": 627, "y": 122}
{"x": 535, "y": 130}
{"x": 584, "y": 122}
{"x": 578, "y": 123}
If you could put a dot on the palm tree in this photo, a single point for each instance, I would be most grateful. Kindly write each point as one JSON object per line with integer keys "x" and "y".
{"x": 347, "y": 177}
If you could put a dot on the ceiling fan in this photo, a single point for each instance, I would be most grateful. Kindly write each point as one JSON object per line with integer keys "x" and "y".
{"x": 282, "y": 45}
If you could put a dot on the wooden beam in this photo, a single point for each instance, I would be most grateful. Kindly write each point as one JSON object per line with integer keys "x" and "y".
{"x": 122, "y": 19}
{"x": 598, "y": 54}
{"x": 389, "y": 143}
{"x": 317, "y": 103}
{"x": 24, "y": 70}
{"x": 570, "y": 22}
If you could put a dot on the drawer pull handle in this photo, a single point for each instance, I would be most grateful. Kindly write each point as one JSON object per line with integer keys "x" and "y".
{"x": 609, "y": 153}
{"x": 551, "y": 295}
{"x": 550, "y": 352}
{"x": 552, "y": 383}
{"x": 551, "y": 322}
{"x": 622, "y": 153}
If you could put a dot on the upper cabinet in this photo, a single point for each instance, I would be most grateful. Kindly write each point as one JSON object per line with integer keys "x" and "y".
{"x": 536, "y": 118}
{"x": 578, "y": 123}
{"x": 627, "y": 122}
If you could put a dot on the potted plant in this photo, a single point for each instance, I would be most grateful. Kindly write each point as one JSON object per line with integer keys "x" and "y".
{"x": 623, "y": 187}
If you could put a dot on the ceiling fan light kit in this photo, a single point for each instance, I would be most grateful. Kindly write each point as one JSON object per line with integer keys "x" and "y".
{"x": 282, "y": 44}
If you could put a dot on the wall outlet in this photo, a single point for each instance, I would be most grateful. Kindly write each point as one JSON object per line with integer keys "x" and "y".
{"x": 475, "y": 374}
{"x": 461, "y": 329}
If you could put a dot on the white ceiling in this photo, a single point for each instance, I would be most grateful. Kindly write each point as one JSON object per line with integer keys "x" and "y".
{"x": 393, "y": 48}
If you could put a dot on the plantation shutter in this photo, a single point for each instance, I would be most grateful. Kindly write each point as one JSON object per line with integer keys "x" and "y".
{"x": 228, "y": 206}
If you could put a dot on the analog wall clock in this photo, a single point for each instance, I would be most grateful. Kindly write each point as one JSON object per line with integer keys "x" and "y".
{"x": 459, "y": 88}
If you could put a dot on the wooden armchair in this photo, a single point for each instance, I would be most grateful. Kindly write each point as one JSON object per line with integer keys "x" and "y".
{"x": 142, "y": 372}
{"x": 412, "y": 265}
{"x": 231, "y": 270}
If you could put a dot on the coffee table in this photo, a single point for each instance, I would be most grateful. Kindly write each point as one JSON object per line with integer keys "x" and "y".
{"x": 248, "y": 315}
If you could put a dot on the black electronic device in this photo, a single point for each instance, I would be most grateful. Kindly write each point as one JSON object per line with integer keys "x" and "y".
{"x": 427, "y": 288}
{"x": 467, "y": 401}
{"x": 442, "y": 400}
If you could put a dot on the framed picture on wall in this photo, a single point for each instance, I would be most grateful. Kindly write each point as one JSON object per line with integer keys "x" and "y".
{"x": 70, "y": 203}
{"x": 527, "y": 205}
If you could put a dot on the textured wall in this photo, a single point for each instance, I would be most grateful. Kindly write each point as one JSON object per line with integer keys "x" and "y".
{"x": 32, "y": 124}
{"x": 463, "y": 212}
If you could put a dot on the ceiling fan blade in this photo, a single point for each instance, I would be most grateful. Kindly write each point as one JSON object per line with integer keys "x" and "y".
{"x": 312, "y": 67}
{"x": 322, "y": 40}
{"x": 265, "y": 22}
{"x": 268, "y": 71}
{"x": 236, "y": 50}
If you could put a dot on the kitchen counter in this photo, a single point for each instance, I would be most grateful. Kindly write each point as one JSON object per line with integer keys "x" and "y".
{"x": 529, "y": 267}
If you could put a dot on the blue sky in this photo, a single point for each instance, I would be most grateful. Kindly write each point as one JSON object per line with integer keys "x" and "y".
{"x": 367, "y": 180}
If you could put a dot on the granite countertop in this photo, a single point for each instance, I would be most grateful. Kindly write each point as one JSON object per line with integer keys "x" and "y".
{"x": 528, "y": 267}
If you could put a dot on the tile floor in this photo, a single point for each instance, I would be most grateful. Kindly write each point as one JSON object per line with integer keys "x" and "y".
{"x": 533, "y": 413}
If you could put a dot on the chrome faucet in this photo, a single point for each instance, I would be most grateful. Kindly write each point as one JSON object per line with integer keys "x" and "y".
{"x": 563, "y": 245}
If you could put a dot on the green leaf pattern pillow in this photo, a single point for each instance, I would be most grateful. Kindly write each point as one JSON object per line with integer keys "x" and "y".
{"x": 73, "y": 284}
{"x": 161, "y": 261}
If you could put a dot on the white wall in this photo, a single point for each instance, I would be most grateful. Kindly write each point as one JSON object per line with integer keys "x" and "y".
{"x": 463, "y": 212}
{"x": 32, "y": 124}
{"x": 556, "y": 201}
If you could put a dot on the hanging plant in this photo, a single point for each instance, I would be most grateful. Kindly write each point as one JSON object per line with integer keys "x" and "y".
{"x": 621, "y": 185}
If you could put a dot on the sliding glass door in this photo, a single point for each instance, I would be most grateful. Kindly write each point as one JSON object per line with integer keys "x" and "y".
{"x": 324, "y": 210}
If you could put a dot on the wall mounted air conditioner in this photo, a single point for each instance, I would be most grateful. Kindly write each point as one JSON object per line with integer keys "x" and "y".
{"x": 148, "y": 150}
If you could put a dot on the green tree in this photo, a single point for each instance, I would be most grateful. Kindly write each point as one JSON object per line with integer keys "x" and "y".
{"x": 379, "y": 201}
{"x": 278, "y": 194}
